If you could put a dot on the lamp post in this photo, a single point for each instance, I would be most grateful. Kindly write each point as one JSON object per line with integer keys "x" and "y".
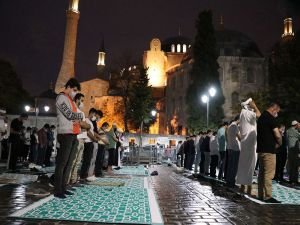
{"x": 205, "y": 99}
{"x": 153, "y": 114}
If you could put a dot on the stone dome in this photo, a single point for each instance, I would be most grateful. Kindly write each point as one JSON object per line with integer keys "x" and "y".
{"x": 235, "y": 43}
{"x": 177, "y": 44}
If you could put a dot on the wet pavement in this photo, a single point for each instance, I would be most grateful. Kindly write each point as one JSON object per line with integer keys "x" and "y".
{"x": 182, "y": 200}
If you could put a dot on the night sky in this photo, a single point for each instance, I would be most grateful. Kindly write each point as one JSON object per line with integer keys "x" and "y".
{"x": 32, "y": 31}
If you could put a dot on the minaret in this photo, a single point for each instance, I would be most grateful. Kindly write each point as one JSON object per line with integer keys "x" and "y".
{"x": 67, "y": 67}
{"x": 288, "y": 28}
{"x": 101, "y": 58}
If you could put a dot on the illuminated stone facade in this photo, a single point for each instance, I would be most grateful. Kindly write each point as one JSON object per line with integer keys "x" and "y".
{"x": 155, "y": 60}
{"x": 243, "y": 69}
{"x": 161, "y": 58}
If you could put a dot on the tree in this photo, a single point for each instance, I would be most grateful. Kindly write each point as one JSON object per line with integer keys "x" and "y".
{"x": 125, "y": 76}
{"x": 13, "y": 96}
{"x": 204, "y": 73}
{"x": 284, "y": 77}
{"x": 141, "y": 102}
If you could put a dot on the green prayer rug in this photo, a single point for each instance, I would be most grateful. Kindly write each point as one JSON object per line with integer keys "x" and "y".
{"x": 285, "y": 195}
{"x": 132, "y": 170}
{"x": 94, "y": 204}
{"x": 134, "y": 182}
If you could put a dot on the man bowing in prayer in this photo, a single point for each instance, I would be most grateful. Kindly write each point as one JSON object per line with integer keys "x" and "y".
{"x": 248, "y": 156}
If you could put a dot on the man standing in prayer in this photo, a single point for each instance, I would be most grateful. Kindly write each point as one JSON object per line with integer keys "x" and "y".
{"x": 268, "y": 140}
{"x": 248, "y": 157}
{"x": 68, "y": 128}
{"x": 293, "y": 137}
{"x": 222, "y": 148}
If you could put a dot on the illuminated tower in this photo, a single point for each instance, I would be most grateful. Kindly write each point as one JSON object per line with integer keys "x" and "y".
{"x": 155, "y": 60}
{"x": 67, "y": 67}
{"x": 288, "y": 28}
{"x": 101, "y": 58}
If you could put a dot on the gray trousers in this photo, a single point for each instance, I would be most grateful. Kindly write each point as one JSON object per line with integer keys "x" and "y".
{"x": 197, "y": 161}
{"x": 64, "y": 161}
{"x": 74, "y": 172}
{"x": 93, "y": 161}
{"x": 293, "y": 164}
{"x": 206, "y": 162}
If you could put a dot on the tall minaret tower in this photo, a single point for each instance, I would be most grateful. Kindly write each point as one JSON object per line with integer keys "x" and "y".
{"x": 101, "y": 58}
{"x": 288, "y": 28}
{"x": 67, "y": 67}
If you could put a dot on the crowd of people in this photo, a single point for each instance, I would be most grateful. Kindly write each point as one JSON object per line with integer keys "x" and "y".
{"x": 252, "y": 140}
{"x": 82, "y": 142}
{"x": 231, "y": 153}
{"x": 30, "y": 145}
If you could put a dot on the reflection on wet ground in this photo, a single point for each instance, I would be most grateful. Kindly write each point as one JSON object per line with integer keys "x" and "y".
{"x": 182, "y": 200}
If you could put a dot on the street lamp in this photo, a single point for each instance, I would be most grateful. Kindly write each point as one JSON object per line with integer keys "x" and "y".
{"x": 27, "y": 108}
{"x": 46, "y": 108}
{"x": 153, "y": 113}
{"x": 205, "y": 99}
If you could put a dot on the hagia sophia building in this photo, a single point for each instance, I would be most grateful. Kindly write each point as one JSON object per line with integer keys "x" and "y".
{"x": 243, "y": 69}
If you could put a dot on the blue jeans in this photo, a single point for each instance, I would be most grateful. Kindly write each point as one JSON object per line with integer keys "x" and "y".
{"x": 232, "y": 167}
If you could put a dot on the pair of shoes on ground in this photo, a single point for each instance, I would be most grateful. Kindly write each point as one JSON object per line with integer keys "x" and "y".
{"x": 37, "y": 192}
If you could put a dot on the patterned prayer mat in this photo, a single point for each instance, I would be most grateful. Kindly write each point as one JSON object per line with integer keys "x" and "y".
{"x": 94, "y": 204}
{"x": 132, "y": 170}
{"x": 286, "y": 195}
{"x": 134, "y": 182}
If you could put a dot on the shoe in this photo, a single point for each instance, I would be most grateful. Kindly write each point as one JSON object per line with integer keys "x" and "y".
{"x": 154, "y": 173}
{"x": 62, "y": 196}
{"x": 99, "y": 175}
{"x": 91, "y": 179}
{"x": 117, "y": 168}
{"x": 38, "y": 192}
{"x": 77, "y": 185}
{"x": 272, "y": 200}
{"x": 69, "y": 193}
{"x": 83, "y": 181}
{"x": 71, "y": 188}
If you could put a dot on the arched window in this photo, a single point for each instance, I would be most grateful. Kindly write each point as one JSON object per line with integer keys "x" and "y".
{"x": 234, "y": 74}
{"x": 234, "y": 99}
{"x": 172, "y": 48}
{"x": 250, "y": 76}
{"x": 184, "y": 48}
{"x": 178, "y": 48}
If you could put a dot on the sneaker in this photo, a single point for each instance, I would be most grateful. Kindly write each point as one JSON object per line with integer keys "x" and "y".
{"x": 38, "y": 192}
{"x": 71, "y": 188}
{"x": 272, "y": 200}
{"x": 69, "y": 193}
{"x": 77, "y": 185}
{"x": 83, "y": 181}
{"x": 117, "y": 168}
{"x": 91, "y": 179}
{"x": 62, "y": 196}
{"x": 154, "y": 173}
{"x": 31, "y": 165}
